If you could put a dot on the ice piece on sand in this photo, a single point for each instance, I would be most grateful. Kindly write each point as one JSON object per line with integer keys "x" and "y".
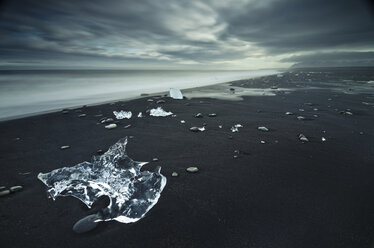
{"x": 192, "y": 169}
{"x": 235, "y": 128}
{"x": 159, "y": 112}
{"x": 132, "y": 192}
{"x": 197, "y": 129}
{"x": 175, "y": 93}
{"x": 111, "y": 126}
{"x": 265, "y": 129}
{"x": 302, "y": 137}
{"x": 122, "y": 114}
{"x": 140, "y": 115}
{"x": 183, "y": 121}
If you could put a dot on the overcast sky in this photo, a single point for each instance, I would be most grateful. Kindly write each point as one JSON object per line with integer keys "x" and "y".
{"x": 185, "y": 34}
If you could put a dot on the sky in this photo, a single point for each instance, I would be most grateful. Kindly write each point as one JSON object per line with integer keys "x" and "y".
{"x": 185, "y": 34}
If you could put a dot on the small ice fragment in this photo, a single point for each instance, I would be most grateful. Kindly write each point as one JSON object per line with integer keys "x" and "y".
{"x": 127, "y": 126}
{"x": 212, "y": 115}
{"x": 302, "y": 137}
{"x": 4, "y": 192}
{"x": 175, "y": 93}
{"x": 174, "y": 116}
{"x": 183, "y": 121}
{"x": 289, "y": 113}
{"x": 301, "y": 110}
{"x": 174, "y": 174}
{"x": 159, "y": 112}
{"x": 106, "y": 120}
{"x": 192, "y": 169}
{"x": 15, "y": 188}
{"x": 235, "y": 128}
{"x": 122, "y": 114}
{"x": 150, "y": 100}
{"x": 140, "y": 115}
{"x": 315, "y": 109}
{"x": 280, "y": 75}
{"x": 86, "y": 224}
{"x": 132, "y": 192}
{"x": 220, "y": 126}
{"x": 265, "y": 129}
{"x": 160, "y": 101}
{"x": 199, "y": 115}
{"x": 111, "y": 126}
{"x": 64, "y": 147}
{"x": 323, "y": 139}
{"x": 300, "y": 118}
{"x": 197, "y": 129}
{"x": 262, "y": 141}
{"x": 82, "y": 115}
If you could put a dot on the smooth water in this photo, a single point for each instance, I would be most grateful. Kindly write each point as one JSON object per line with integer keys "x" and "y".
{"x": 24, "y": 93}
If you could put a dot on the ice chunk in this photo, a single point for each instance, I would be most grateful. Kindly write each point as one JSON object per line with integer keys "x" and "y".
{"x": 140, "y": 115}
{"x": 122, "y": 114}
{"x": 175, "y": 93}
{"x": 132, "y": 192}
{"x": 235, "y": 128}
{"x": 159, "y": 112}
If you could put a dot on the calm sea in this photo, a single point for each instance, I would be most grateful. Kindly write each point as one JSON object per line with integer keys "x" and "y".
{"x": 24, "y": 93}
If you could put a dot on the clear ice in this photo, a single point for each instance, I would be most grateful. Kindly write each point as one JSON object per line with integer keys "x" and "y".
{"x": 159, "y": 112}
{"x": 175, "y": 93}
{"x": 132, "y": 192}
{"x": 235, "y": 128}
{"x": 122, "y": 114}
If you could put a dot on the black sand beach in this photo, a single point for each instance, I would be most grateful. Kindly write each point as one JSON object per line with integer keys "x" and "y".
{"x": 284, "y": 193}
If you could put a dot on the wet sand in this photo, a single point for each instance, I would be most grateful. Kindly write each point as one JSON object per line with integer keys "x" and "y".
{"x": 284, "y": 193}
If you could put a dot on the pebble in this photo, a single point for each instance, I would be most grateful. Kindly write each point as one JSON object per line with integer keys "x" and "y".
{"x": 174, "y": 174}
{"x": 106, "y": 120}
{"x": 199, "y": 115}
{"x": 192, "y": 169}
{"x": 127, "y": 126}
{"x": 111, "y": 126}
{"x": 155, "y": 159}
{"x": 150, "y": 100}
{"x": 197, "y": 129}
{"x": 263, "y": 142}
{"x": 4, "y": 192}
{"x": 220, "y": 126}
{"x": 15, "y": 188}
{"x": 82, "y": 115}
{"x": 212, "y": 115}
{"x": 183, "y": 121}
{"x": 99, "y": 152}
{"x": 2, "y": 188}
{"x": 86, "y": 224}
{"x": 289, "y": 113}
{"x": 265, "y": 129}
{"x": 64, "y": 147}
{"x": 300, "y": 118}
{"x": 160, "y": 101}
{"x": 65, "y": 112}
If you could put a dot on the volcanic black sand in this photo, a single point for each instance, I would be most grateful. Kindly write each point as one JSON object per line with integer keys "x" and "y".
{"x": 283, "y": 193}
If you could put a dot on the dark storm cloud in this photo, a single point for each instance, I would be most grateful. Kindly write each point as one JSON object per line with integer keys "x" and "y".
{"x": 173, "y": 32}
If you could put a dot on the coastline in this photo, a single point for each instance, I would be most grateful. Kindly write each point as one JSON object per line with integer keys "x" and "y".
{"x": 284, "y": 192}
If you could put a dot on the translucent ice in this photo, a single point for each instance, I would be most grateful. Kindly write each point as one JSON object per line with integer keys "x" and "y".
{"x": 159, "y": 112}
{"x": 175, "y": 93}
{"x": 122, "y": 114}
{"x": 235, "y": 128}
{"x": 132, "y": 192}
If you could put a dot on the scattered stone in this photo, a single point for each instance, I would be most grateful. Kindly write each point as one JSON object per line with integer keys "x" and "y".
{"x": 86, "y": 224}
{"x": 160, "y": 101}
{"x": 111, "y": 126}
{"x": 265, "y": 129}
{"x": 308, "y": 103}
{"x": 301, "y": 110}
{"x": 199, "y": 115}
{"x": 17, "y": 139}
{"x": 154, "y": 159}
{"x": 197, "y": 129}
{"x": 15, "y": 188}
{"x": 361, "y": 133}
{"x": 183, "y": 121}
{"x": 4, "y": 192}
{"x": 65, "y": 112}
{"x": 274, "y": 87}
{"x": 303, "y": 138}
{"x": 316, "y": 116}
{"x": 205, "y": 124}
{"x": 192, "y": 169}
{"x": 230, "y": 137}
{"x": 64, "y": 147}
{"x": 98, "y": 115}
{"x": 2, "y": 188}
{"x": 150, "y": 100}
{"x": 345, "y": 113}
{"x": 122, "y": 114}
{"x": 235, "y": 156}
{"x": 127, "y": 126}
{"x": 212, "y": 115}
{"x": 315, "y": 109}
{"x": 25, "y": 173}
{"x": 174, "y": 174}
{"x": 289, "y": 113}
{"x": 82, "y": 115}
{"x": 301, "y": 118}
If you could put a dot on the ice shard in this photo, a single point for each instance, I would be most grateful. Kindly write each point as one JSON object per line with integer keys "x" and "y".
{"x": 132, "y": 192}
{"x": 122, "y": 114}
{"x": 175, "y": 93}
{"x": 235, "y": 128}
{"x": 159, "y": 112}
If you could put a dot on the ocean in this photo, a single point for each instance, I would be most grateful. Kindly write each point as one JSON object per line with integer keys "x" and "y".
{"x": 25, "y": 93}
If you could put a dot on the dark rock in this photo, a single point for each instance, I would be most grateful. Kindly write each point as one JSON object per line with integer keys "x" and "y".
{"x": 86, "y": 224}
